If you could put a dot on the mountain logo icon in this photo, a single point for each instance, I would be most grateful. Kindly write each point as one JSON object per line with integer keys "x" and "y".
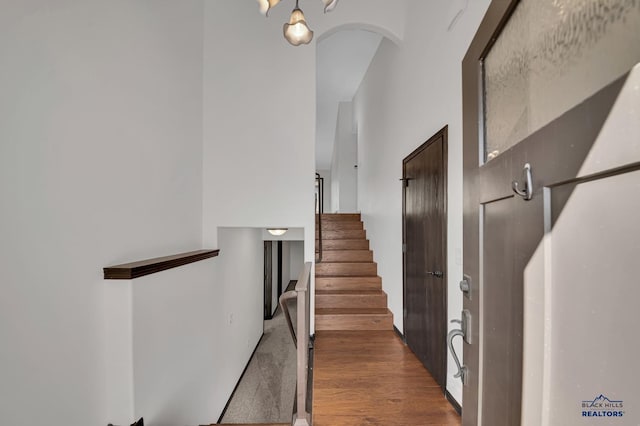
{"x": 599, "y": 400}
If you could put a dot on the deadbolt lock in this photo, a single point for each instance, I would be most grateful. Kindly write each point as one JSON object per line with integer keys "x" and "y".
{"x": 465, "y": 286}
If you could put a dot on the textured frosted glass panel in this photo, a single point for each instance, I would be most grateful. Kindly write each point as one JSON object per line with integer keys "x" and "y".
{"x": 552, "y": 55}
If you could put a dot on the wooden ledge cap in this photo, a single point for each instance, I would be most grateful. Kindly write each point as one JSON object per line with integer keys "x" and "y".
{"x": 129, "y": 271}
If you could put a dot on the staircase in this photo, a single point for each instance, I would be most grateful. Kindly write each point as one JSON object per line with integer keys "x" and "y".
{"x": 349, "y": 292}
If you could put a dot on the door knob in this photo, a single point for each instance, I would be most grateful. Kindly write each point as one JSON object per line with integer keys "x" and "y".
{"x": 437, "y": 274}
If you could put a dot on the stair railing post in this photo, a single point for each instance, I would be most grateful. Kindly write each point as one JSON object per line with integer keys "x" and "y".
{"x": 302, "y": 416}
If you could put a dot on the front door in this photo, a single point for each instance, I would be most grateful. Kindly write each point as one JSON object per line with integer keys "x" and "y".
{"x": 424, "y": 230}
{"x": 551, "y": 198}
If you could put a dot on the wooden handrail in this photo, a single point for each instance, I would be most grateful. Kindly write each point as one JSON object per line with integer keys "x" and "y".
{"x": 129, "y": 271}
{"x": 284, "y": 298}
{"x": 319, "y": 203}
{"x": 301, "y": 417}
{"x": 319, "y": 237}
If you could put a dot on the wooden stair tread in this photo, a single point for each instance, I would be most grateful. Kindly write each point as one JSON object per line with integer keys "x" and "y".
{"x": 332, "y": 249}
{"x": 344, "y": 244}
{"x": 339, "y": 216}
{"x": 348, "y": 283}
{"x": 353, "y": 279}
{"x": 353, "y": 319}
{"x": 339, "y": 225}
{"x": 349, "y": 292}
{"x": 347, "y": 256}
{"x": 353, "y": 311}
{"x": 323, "y": 274}
{"x": 345, "y": 250}
{"x": 346, "y": 269}
{"x": 344, "y": 234}
{"x": 347, "y": 261}
{"x": 350, "y": 299}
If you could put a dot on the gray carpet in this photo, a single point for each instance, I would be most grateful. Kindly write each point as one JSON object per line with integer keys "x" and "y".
{"x": 267, "y": 390}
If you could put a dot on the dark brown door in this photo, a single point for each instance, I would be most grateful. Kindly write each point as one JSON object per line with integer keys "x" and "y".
{"x": 268, "y": 279}
{"x": 424, "y": 230}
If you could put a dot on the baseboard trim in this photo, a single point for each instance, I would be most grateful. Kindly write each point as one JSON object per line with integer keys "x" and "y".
{"x": 224, "y": 411}
{"x": 453, "y": 402}
{"x": 399, "y": 333}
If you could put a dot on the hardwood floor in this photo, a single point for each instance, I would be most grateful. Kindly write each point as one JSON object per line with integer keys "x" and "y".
{"x": 363, "y": 373}
{"x": 371, "y": 378}
{"x": 259, "y": 424}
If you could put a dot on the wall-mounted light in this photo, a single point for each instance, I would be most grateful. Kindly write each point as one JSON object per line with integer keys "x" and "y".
{"x": 277, "y": 231}
{"x": 297, "y": 31}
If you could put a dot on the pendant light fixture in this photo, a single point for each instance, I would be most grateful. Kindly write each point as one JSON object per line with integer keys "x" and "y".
{"x": 266, "y": 5}
{"x": 329, "y": 5}
{"x": 296, "y": 31}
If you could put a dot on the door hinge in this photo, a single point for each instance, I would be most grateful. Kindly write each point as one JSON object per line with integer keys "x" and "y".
{"x": 404, "y": 247}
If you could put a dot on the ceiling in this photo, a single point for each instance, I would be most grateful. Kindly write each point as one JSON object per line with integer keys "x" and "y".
{"x": 343, "y": 60}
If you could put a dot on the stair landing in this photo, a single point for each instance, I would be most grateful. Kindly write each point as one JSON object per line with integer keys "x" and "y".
{"x": 372, "y": 378}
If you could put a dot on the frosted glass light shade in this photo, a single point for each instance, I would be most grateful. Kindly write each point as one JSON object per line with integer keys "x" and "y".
{"x": 296, "y": 31}
{"x": 329, "y": 5}
{"x": 266, "y": 5}
{"x": 278, "y": 231}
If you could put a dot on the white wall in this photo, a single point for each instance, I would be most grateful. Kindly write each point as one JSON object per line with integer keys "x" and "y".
{"x": 259, "y": 112}
{"x": 259, "y": 103}
{"x": 296, "y": 256}
{"x": 335, "y": 181}
{"x": 286, "y": 264}
{"x": 192, "y": 327}
{"x": 410, "y": 92}
{"x": 100, "y": 163}
{"x": 195, "y": 328}
{"x": 104, "y": 109}
{"x": 343, "y": 172}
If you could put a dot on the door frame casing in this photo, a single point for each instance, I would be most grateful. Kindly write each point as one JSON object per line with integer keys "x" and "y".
{"x": 280, "y": 272}
{"x": 442, "y": 133}
{"x": 267, "y": 277}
